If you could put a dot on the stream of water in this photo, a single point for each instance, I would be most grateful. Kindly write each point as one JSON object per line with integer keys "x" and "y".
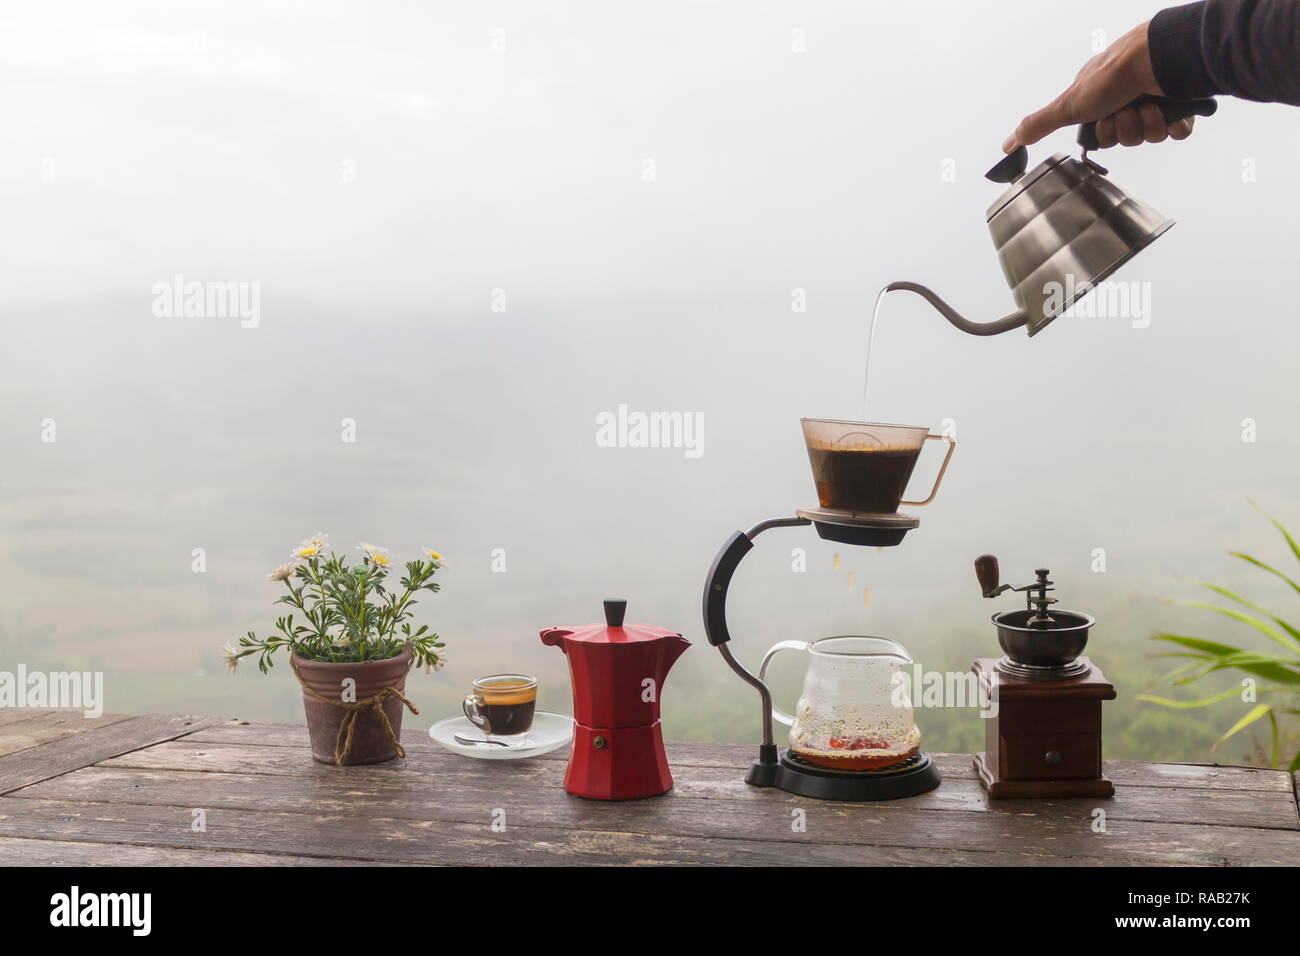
{"x": 871, "y": 337}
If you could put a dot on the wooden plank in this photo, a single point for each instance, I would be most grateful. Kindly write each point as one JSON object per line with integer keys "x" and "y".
{"x": 766, "y": 816}
{"x": 71, "y": 753}
{"x": 526, "y": 780}
{"x": 416, "y": 740}
{"x": 353, "y": 836}
{"x": 462, "y": 795}
{"x": 20, "y": 852}
{"x": 43, "y": 727}
{"x": 712, "y": 816}
{"x": 699, "y": 754}
{"x": 13, "y": 715}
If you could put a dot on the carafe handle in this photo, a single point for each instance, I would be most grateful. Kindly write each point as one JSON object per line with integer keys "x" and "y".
{"x": 952, "y": 443}
{"x": 772, "y": 651}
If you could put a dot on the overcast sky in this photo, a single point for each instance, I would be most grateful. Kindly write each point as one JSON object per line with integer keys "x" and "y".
{"x": 645, "y": 189}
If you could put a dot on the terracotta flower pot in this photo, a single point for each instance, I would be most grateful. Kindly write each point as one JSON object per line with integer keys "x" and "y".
{"x": 371, "y": 740}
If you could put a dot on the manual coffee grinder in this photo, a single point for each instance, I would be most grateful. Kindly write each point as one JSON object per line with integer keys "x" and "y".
{"x": 860, "y": 471}
{"x": 1044, "y": 739}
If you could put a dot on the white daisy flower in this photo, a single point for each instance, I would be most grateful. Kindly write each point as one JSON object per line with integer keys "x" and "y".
{"x": 310, "y": 549}
{"x": 378, "y": 556}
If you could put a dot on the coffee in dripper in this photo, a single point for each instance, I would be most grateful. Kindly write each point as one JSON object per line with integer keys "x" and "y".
{"x": 864, "y": 467}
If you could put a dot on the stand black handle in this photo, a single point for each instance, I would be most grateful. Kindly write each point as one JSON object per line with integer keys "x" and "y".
{"x": 1173, "y": 110}
{"x": 716, "y": 584}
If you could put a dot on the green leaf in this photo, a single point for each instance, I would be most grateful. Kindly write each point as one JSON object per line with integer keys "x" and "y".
{"x": 1187, "y": 704}
{"x": 1266, "y": 567}
{"x": 1275, "y": 669}
{"x": 1295, "y": 548}
{"x": 1252, "y": 715}
{"x": 1197, "y": 644}
{"x": 1256, "y": 623}
{"x": 1292, "y": 645}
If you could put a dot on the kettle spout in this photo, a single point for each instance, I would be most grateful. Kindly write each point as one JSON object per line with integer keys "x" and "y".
{"x": 1013, "y": 321}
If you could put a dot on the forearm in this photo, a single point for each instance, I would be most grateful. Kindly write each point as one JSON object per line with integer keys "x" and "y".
{"x": 1244, "y": 48}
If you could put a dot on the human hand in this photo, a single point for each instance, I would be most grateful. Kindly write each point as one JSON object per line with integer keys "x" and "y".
{"x": 1102, "y": 91}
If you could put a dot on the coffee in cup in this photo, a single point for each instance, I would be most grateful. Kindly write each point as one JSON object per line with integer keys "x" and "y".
{"x": 502, "y": 705}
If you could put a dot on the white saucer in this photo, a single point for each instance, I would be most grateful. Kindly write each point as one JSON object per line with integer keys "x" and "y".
{"x": 549, "y": 732}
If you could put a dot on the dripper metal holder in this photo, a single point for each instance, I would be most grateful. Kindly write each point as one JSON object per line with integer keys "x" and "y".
{"x": 783, "y": 769}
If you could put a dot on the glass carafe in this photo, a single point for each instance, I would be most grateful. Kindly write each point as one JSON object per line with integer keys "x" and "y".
{"x": 854, "y": 712}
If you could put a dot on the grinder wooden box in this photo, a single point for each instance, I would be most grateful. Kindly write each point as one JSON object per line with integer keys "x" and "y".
{"x": 1046, "y": 738}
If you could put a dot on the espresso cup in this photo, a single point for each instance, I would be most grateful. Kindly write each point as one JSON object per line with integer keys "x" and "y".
{"x": 502, "y": 705}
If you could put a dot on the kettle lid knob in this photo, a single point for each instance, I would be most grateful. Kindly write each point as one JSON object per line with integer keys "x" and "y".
{"x": 615, "y": 611}
{"x": 1010, "y": 167}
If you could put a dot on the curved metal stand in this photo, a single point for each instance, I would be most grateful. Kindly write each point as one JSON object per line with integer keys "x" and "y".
{"x": 715, "y": 629}
{"x": 783, "y": 770}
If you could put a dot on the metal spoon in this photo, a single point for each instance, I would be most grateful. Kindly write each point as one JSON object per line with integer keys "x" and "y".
{"x": 475, "y": 741}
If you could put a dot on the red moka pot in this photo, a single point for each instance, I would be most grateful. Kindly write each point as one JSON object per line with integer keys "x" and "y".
{"x": 618, "y": 674}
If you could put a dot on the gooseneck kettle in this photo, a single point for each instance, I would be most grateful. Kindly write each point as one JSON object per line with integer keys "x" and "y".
{"x": 1061, "y": 229}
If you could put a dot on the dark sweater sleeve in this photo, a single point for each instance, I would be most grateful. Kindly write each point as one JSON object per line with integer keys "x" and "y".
{"x": 1245, "y": 48}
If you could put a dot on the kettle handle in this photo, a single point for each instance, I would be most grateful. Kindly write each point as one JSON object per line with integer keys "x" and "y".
{"x": 772, "y": 651}
{"x": 1174, "y": 110}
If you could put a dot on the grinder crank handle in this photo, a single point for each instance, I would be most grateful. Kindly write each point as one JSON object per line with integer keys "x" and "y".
{"x": 986, "y": 570}
{"x": 1173, "y": 110}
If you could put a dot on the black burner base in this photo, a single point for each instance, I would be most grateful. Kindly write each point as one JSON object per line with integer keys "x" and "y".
{"x": 794, "y": 775}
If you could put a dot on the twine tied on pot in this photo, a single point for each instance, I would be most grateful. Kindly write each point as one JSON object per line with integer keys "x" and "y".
{"x": 375, "y": 702}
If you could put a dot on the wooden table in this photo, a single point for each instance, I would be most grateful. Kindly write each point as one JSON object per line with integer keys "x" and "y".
{"x": 125, "y": 790}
